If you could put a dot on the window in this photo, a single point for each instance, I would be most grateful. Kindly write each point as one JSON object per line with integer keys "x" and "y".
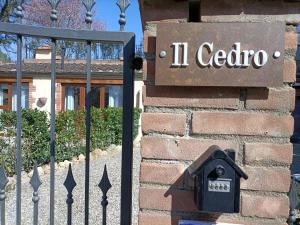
{"x": 8, "y": 96}
{"x": 24, "y": 96}
{"x": 115, "y": 93}
{"x": 73, "y": 96}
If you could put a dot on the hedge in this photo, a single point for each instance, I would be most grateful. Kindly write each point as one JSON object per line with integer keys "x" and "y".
{"x": 106, "y": 129}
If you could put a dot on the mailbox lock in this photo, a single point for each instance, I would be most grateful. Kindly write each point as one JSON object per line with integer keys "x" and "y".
{"x": 220, "y": 170}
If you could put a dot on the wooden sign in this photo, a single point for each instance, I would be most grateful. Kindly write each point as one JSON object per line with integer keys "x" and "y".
{"x": 220, "y": 54}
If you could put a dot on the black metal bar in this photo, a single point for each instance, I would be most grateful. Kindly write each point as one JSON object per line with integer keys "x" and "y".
{"x": 53, "y": 18}
{"x": 70, "y": 184}
{"x": 19, "y": 129}
{"x": 35, "y": 182}
{"x": 88, "y": 131}
{"x": 3, "y": 183}
{"x": 65, "y": 34}
{"x": 52, "y": 131}
{"x": 294, "y": 199}
{"x": 19, "y": 15}
{"x": 89, "y": 4}
{"x": 104, "y": 185}
{"x": 2, "y": 200}
{"x": 127, "y": 140}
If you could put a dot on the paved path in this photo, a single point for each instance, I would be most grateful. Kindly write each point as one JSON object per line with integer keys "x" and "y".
{"x": 113, "y": 161}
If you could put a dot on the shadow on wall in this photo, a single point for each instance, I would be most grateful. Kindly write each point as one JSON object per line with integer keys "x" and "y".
{"x": 217, "y": 179}
{"x": 217, "y": 166}
{"x": 183, "y": 205}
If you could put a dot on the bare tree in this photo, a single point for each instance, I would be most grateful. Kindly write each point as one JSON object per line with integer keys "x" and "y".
{"x": 6, "y": 9}
{"x": 71, "y": 14}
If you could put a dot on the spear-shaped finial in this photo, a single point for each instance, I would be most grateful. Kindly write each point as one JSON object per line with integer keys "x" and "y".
{"x": 123, "y": 5}
{"x": 53, "y": 4}
{"x": 89, "y": 4}
{"x": 19, "y": 12}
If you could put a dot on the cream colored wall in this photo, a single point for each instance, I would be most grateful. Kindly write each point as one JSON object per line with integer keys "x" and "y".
{"x": 43, "y": 90}
{"x": 43, "y": 54}
{"x": 138, "y": 86}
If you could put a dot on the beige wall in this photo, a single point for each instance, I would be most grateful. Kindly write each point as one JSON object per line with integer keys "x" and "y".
{"x": 43, "y": 54}
{"x": 42, "y": 90}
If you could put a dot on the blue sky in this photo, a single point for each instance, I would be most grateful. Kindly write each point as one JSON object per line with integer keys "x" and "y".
{"x": 109, "y": 12}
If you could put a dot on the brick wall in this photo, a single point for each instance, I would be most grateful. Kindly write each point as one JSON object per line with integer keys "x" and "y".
{"x": 180, "y": 123}
{"x": 58, "y": 97}
{"x": 32, "y": 99}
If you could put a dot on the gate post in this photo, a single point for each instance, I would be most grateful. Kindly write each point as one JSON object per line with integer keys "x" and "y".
{"x": 180, "y": 123}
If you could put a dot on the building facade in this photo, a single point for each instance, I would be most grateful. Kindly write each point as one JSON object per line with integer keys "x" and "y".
{"x": 107, "y": 82}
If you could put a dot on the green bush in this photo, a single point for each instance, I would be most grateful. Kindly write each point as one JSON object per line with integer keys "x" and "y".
{"x": 106, "y": 129}
{"x": 70, "y": 133}
{"x": 35, "y": 139}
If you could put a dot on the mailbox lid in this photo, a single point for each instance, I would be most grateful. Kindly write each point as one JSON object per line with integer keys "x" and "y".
{"x": 213, "y": 153}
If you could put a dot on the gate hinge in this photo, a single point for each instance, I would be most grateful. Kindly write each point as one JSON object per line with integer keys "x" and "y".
{"x": 137, "y": 63}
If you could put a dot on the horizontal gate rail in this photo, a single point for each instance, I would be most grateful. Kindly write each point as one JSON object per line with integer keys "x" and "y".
{"x": 66, "y": 34}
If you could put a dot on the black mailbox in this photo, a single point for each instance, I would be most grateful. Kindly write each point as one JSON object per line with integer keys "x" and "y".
{"x": 216, "y": 179}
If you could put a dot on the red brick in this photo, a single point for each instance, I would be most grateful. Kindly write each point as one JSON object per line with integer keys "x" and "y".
{"x": 271, "y": 99}
{"x": 180, "y": 148}
{"x": 149, "y": 43}
{"x": 204, "y": 97}
{"x": 268, "y": 152}
{"x": 265, "y": 207}
{"x": 159, "y": 173}
{"x": 167, "y": 123}
{"x": 249, "y": 11}
{"x": 243, "y": 123}
{"x": 167, "y": 199}
{"x": 266, "y": 179}
{"x": 166, "y": 10}
{"x": 291, "y": 40}
{"x": 289, "y": 71}
{"x": 149, "y": 70}
{"x": 157, "y": 219}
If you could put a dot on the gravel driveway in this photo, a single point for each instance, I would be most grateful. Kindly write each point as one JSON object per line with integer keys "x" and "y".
{"x": 113, "y": 161}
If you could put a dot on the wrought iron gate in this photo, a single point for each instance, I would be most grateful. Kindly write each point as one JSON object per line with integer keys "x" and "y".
{"x": 88, "y": 36}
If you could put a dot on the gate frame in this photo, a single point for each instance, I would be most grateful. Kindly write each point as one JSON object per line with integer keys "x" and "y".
{"x": 128, "y": 41}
